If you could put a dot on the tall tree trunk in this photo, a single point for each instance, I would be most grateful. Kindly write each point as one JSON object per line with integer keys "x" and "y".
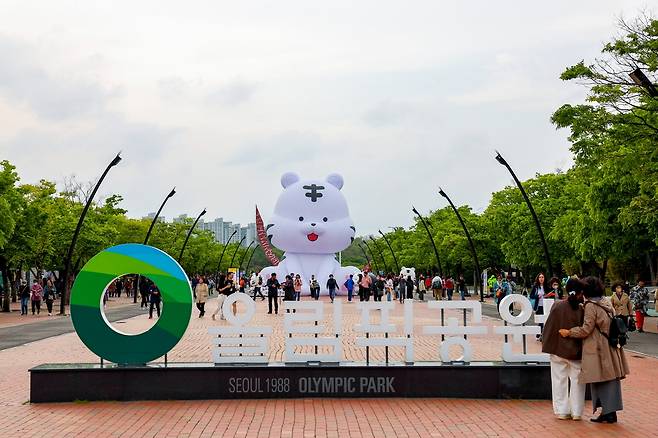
{"x": 604, "y": 270}
{"x": 652, "y": 271}
{"x": 5, "y": 280}
{"x": 12, "y": 283}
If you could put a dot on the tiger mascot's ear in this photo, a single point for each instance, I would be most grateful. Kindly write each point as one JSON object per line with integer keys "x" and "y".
{"x": 335, "y": 180}
{"x": 288, "y": 179}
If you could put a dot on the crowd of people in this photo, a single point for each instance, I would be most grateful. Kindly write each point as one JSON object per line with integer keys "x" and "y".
{"x": 42, "y": 290}
{"x": 365, "y": 286}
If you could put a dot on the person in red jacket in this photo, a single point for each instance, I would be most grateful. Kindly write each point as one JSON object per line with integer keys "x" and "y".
{"x": 449, "y": 286}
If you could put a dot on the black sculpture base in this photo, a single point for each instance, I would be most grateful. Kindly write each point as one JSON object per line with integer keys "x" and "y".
{"x": 198, "y": 381}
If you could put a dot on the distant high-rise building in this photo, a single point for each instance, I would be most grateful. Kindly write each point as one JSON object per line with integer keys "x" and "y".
{"x": 251, "y": 233}
{"x": 222, "y": 230}
{"x": 179, "y": 219}
{"x": 150, "y": 216}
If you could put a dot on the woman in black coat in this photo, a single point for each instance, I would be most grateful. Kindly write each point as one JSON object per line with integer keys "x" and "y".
{"x": 410, "y": 288}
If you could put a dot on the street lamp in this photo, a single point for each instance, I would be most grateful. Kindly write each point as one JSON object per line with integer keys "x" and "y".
{"x": 189, "y": 233}
{"x": 236, "y": 251}
{"x": 219, "y": 265}
{"x": 157, "y": 215}
{"x": 250, "y": 257}
{"x": 69, "y": 254}
{"x": 365, "y": 254}
{"x": 429, "y": 235}
{"x": 381, "y": 254}
{"x": 478, "y": 280}
{"x": 502, "y": 161}
{"x": 244, "y": 255}
{"x": 148, "y": 235}
{"x": 641, "y": 79}
{"x": 395, "y": 259}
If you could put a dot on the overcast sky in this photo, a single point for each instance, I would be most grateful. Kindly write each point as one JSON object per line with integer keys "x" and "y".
{"x": 220, "y": 98}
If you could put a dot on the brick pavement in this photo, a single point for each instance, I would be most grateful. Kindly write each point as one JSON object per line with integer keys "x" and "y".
{"x": 302, "y": 417}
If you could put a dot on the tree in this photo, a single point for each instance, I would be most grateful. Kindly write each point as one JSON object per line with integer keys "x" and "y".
{"x": 613, "y": 137}
{"x": 10, "y": 205}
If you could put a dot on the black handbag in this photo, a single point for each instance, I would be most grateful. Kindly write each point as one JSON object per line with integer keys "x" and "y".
{"x": 631, "y": 325}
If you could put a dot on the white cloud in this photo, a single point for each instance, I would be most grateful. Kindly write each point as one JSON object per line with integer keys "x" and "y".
{"x": 219, "y": 99}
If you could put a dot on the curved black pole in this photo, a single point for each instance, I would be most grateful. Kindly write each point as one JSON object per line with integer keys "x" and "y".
{"x": 157, "y": 215}
{"x": 381, "y": 254}
{"x": 502, "y": 161}
{"x": 69, "y": 254}
{"x": 374, "y": 259}
{"x": 366, "y": 256}
{"x": 429, "y": 234}
{"x": 236, "y": 251}
{"x": 189, "y": 233}
{"x": 250, "y": 257}
{"x": 244, "y": 255}
{"x": 148, "y": 235}
{"x": 479, "y": 280}
{"x": 219, "y": 265}
{"x": 395, "y": 259}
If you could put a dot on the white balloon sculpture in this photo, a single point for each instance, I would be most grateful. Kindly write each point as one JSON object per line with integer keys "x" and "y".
{"x": 311, "y": 223}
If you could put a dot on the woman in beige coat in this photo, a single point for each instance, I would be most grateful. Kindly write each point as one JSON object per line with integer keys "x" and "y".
{"x": 201, "y": 291}
{"x": 603, "y": 366}
{"x": 621, "y": 302}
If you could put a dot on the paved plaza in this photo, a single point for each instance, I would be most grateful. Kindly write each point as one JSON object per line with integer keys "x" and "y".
{"x": 302, "y": 417}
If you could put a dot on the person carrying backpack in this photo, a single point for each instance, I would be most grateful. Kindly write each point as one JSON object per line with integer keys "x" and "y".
{"x": 256, "y": 284}
{"x": 437, "y": 287}
{"x": 603, "y": 366}
{"x": 380, "y": 285}
{"x": 314, "y": 286}
{"x": 349, "y": 285}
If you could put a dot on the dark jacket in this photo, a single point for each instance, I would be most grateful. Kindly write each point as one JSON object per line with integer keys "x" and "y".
{"x": 562, "y": 316}
{"x": 24, "y": 291}
{"x": 534, "y": 295}
{"x": 288, "y": 291}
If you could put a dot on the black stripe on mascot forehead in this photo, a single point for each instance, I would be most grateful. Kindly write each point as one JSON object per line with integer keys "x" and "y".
{"x": 306, "y": 196}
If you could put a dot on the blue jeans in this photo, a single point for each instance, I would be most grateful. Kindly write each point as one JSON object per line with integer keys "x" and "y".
{"x": 298, "y": 296}
{"x": 24, "y": 302}
{"x": 332, "y": 294}
{"x": 450, "y": 291}
{"x": 349, "y": 294}
{"x": 462, "y": 294}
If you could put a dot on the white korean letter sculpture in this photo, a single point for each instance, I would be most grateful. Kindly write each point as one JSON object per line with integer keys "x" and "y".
{"x": 311, "y": 316}
{"x": 518, "y": 330}
{"x": 237, "y": 342}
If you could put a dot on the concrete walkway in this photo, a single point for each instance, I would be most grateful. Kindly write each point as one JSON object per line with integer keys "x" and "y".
{"x": 16, "y": 335}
